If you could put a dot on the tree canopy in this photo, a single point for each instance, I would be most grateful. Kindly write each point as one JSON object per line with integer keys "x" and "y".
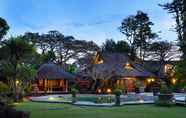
{"x": 138, "y": 33}
{"x": 3, "y": 27}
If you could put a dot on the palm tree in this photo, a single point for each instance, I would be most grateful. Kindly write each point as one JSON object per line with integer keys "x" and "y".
{"x": 15, "y": 51}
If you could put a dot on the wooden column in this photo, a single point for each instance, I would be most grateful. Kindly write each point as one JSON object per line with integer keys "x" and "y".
{"x": 66, "y": 87}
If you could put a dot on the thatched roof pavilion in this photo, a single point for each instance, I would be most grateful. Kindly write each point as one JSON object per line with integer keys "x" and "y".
{"x": 52, "y": 78}
{"x": 52, "y": 71}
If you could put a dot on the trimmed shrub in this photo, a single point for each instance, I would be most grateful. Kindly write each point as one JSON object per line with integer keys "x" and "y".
{"x": 165, "y": 98}
{"x": 74, "y": 92}
{"x": 117, "y": 93}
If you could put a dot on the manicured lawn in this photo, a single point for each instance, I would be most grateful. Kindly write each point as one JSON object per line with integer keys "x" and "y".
{"x": 46, "y": 110}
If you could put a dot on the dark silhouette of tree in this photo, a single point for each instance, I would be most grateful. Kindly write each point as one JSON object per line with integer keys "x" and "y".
{"x": 112, "y": 46}
{"x": 178, "y": 9}
{"x": 109, "y": 46}
{"x": 137, "y": 29}
{"x": 161, "y": 51}
{"x": 63, "y": 47}
{"x": 122, "y": 47}
{"x": 3, "y": 27}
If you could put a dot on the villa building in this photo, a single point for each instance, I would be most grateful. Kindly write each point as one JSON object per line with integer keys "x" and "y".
{"x": 103, "y": 73}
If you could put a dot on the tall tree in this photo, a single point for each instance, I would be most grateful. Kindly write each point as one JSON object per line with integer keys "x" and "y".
{"x": 129, "y": 29}
{"x": 137, "y": 29}
{"x": 109, "y": 46}
{"x": 178, "y": 9}
{"x": 161, "y": 51}
{"x": 3, "y": 27}
{"x": 63, "y": 48}
{"x": 112, "y": 46}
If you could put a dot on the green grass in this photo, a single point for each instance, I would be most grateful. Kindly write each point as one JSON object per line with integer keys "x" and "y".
{"x": 43, "y": 110}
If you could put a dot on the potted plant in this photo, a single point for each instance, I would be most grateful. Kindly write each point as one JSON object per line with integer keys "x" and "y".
{"x": 74, "y": 92}
{"x": 165, "y": 98}
{"x": 117, "y": 93}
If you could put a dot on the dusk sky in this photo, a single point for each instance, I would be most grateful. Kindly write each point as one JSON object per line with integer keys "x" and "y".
{"x": 94, "y": 20}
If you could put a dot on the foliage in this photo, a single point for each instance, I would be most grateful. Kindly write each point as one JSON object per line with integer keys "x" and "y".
{"x": 161, "y": 51}
{"x": 15, "y": 52}
{"x": 5, "y": 96}
{"x": 63, "y": 47}
{"x": 181, "y": 70}
{"x": 71, "y": 69}
{"x": 3, "y": 88}
{"x": 74, "y": 92}
{"x": 177, "y": 9}
{"x": 112, "y": 46}
{"x": 117, "y": 92}
{"x": 3, "y": 27}
{"x": 48, "y": 57}
{"x": 165, "y": 97}
{"x": 137, "y": 29}
{"x": 26, "y": 74}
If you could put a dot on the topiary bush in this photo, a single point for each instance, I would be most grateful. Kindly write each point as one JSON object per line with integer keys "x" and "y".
{"x": 74, "y": 92}
{"x": 117, "y": 93}
{"x": 165, "y": 98}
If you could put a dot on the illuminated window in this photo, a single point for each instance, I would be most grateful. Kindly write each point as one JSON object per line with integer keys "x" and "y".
{"x": 168, "y": 68}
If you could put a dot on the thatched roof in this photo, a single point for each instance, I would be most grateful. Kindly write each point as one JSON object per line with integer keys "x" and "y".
{"x": 113, "y": 66}
{"x": 52, "y": 71}
{"x": 115, "y": 58}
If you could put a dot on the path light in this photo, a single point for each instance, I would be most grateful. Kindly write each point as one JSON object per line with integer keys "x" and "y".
{"x": 109, "y": 90}
{"x": 51, "y": 98}
{"x": 17, "y": 82}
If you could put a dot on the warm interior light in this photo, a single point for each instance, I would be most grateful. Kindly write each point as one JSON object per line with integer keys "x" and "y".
{"x": 128, "y": 66}
{"x": 167, "y": 68}
{"x": 152, "y": 80}
{"x": 99, "y": 90}
{"x": 149, "y": 80}
{"x": 174, "y": 81}
{"x": 100, "y": 61}
{"x": 109, "y": 90}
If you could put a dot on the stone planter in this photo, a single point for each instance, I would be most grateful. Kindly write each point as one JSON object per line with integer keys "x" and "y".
{"x": 74, "y": 99}
{"x": 155, "y": 91}
{"x": 117, "y": 101}
{"x": 165, "y": 99}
